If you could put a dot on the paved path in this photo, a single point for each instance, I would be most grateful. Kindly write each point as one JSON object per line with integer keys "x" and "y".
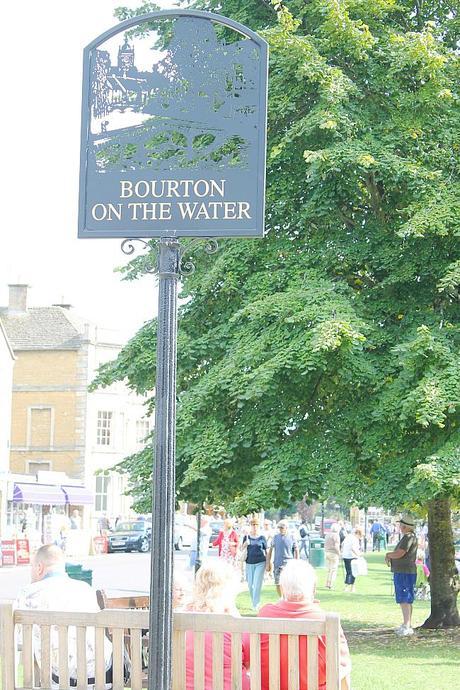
{"x": 117, "y": 573}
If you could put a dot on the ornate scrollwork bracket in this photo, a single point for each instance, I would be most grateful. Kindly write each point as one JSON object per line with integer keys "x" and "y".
{"x": 186, "y": 265}
{"x": 128, "y": 248}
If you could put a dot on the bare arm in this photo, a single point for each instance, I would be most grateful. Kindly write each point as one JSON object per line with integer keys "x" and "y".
{"x": 345, "y": 684}
{"x": 392, "y": 555}
{"x": 269, "y": 558}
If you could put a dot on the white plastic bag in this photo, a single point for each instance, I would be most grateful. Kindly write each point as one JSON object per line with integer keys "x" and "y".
{"x": 359, "y": 566}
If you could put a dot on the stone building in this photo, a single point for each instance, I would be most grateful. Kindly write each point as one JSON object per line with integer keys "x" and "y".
{"x": 6, "y": 382}
{"x": 64, "y": 440}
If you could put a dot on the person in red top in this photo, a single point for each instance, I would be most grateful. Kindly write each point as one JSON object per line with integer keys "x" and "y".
{"x": 297, "y": 582}
{"x": 227, "y": 541}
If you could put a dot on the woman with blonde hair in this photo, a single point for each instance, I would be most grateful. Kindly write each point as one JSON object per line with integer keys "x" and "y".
{"x": 255, "y": 557}
{"x": 227, "y": 542}
{"x": 215, "y": 589}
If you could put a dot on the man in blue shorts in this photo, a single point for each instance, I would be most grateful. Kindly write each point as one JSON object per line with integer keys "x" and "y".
{"x": 402, "y": 561}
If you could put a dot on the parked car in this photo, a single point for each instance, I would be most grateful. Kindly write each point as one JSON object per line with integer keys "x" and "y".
{"x": 328, "y": 525}
{"x": 184, "y": 531}
{"x": 132, "y": 535}
{"x": 216, "y": 526}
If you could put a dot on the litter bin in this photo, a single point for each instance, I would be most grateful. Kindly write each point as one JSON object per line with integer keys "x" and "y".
{"x": 77, "y": 572}
{"x": 317, "y": 553}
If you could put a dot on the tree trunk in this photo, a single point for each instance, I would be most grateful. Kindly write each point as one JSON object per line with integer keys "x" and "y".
{"x": 444, "y": 579}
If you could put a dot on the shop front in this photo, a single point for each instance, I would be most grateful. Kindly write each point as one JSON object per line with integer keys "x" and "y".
{"x": 45, "y": 514}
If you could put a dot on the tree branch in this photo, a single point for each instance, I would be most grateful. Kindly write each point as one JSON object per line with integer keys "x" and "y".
{"x": 375, "y": 195}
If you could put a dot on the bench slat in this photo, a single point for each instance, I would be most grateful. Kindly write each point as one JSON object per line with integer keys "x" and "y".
{"x": 100, "y": 660}
{"x": 7, "y": 645}
{"x": 27, "y": 655}
{"x": 274, "y": 662}
{"x": 45, "y": 656}
{"x": 237, "y": 662}
{"x": 198, "y": 660}
{"x": 211, "y": 622}
{"x": 312, "y": 662}
{"x": 217, "y": 661}
{"x": 293, "y": 662}
{"x": 118, "y": 636}
{"x": 108, "y": 618}
{"x": 332, "y": 651}
{"x": 254, "y": 649}
{"x": 82, "y": 674}
{"x": 63, "y": 636}
{"x": 136, "y": 659}
{"x": 178, "y": 669}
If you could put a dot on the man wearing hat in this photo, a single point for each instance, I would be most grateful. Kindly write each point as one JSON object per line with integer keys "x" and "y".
{"x": 402, "y": 562}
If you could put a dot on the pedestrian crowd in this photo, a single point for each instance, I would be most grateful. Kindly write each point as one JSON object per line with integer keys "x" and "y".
{"x": 261, "y": 552}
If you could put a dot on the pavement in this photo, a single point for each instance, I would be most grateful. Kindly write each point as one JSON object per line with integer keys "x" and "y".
{"x": 117, "y": 573}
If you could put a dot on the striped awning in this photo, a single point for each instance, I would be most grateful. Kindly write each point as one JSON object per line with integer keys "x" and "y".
{"x": 78, "y": 495}
{"x": 39, "y": 494}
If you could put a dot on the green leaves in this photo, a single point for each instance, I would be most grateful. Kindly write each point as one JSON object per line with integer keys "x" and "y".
{"x": 324, "y": 359}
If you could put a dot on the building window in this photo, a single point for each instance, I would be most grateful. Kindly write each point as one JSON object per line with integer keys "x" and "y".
{"x": 40, "y": 427}
{"x": 104, "y": 428}
{"x": 142, "y": 430}
{"x": 35, "y": 466}
{"x": 102, "y": 487}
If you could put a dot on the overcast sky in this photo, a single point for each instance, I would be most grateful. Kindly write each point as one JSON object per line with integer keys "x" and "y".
{"x": 40, "y": 165}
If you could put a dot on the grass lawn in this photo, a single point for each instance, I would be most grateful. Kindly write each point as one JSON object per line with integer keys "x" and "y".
{"x": 430, "y": 660}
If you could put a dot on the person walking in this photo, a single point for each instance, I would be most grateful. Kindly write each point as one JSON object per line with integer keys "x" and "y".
{"x": 402, "y": 563}
{"x": 377, "y": 531}
{"x": 103, "y": 525}
{"x": 284, "y": 547}
{"x": 332, "y": 554}
{"x": 227, "y": 542}
{"x": 255, "y": 547}
{"x": 268, "y": 532}
{"x": 350, "y": 551}
{"x": 304, "y": 545}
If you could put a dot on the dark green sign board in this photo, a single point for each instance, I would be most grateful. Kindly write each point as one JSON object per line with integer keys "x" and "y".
{"x": 174, "y": 129}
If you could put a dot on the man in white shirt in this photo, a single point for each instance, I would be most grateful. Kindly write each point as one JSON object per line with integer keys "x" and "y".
{"x": 52, "y": 590}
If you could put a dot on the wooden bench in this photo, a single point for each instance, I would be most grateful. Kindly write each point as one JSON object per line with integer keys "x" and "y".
{"x": 118, "y": 621}
{"x": 132, "y": 601}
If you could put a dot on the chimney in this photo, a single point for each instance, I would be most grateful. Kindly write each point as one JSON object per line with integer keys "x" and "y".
{"x": 17, "y": 303}
{"x": 63, "y": 304}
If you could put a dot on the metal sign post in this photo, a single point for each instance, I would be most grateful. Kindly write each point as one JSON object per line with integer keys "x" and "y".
{"x": 163, "y": 492}
{"x": 172, "y": 149}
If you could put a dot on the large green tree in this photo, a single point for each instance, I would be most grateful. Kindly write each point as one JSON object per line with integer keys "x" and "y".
{"x": 324, "y": 359}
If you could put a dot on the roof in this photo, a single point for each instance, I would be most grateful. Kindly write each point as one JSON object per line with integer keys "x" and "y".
{"x": 7, "y": 342}
{"x": 40, "y": 328}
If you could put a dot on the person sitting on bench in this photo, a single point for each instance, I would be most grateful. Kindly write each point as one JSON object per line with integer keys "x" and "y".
{"x": 52, "y": 589}
{"x": 297, "y": 583}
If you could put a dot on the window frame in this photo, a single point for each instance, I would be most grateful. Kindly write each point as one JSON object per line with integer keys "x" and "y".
{"x": 108, "y": 428}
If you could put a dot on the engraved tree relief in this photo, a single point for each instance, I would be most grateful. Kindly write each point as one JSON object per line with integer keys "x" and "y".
{"x": 196, "y": 108}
